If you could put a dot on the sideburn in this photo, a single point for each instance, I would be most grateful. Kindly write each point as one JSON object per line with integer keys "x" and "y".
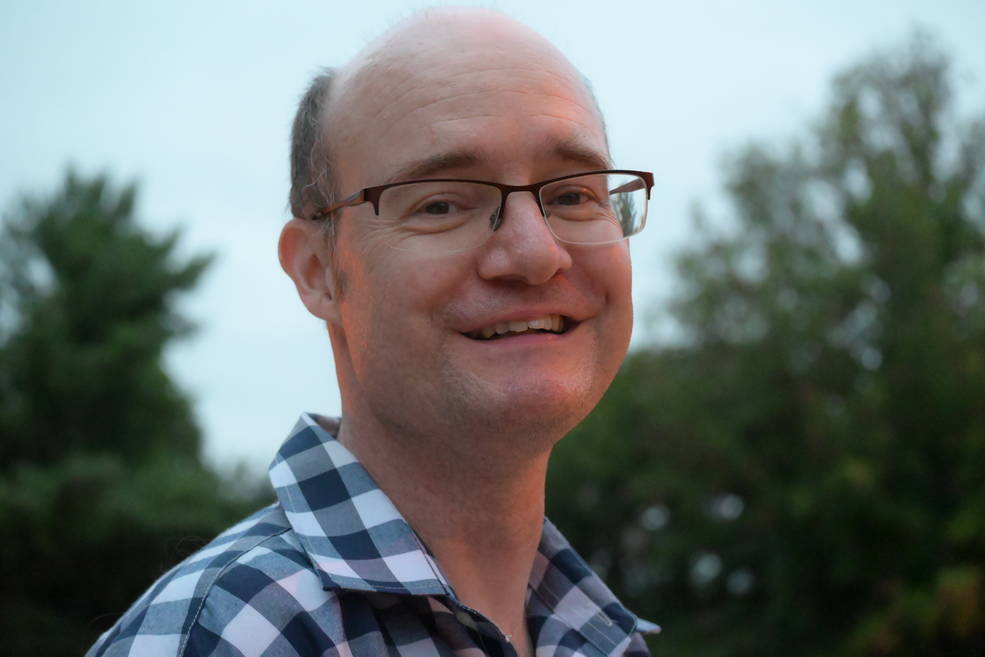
{"x": 341, "y": 282}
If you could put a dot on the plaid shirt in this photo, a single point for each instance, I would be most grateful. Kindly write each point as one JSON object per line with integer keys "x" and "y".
{"x": 332, "y": 568}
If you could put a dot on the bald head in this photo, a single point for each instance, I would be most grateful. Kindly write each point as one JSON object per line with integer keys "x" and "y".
{"x": 435, "y": 47}
{"x": 456, "y": 40}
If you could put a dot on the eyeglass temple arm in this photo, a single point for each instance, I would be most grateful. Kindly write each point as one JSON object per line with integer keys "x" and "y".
{"x": 348, "y": 201}
{"x": 631, "y": 186}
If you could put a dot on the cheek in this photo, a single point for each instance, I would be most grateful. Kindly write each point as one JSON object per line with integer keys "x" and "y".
{"x": 614, "y": 278}
{"x": 399, "y": 294}
{"x": 620, "y": 272}
{"x": 609, "y": 273}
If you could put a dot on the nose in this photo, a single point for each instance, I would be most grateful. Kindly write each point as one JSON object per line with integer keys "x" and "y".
{"x": 522, "y": 248}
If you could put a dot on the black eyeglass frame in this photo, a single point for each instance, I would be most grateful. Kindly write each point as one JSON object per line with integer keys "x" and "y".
{"x": 372, "y": 194}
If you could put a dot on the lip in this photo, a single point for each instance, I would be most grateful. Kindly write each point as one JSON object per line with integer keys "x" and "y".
{"x": 523, "y": 339}
{"x": 569, "y": 324}
{"x": 571, "y": 319}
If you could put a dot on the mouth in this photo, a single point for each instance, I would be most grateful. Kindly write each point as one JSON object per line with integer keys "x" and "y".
{"x": 556, "y": 324}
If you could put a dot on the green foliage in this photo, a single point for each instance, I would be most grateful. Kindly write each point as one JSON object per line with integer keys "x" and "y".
{"x": 101, "y": 486}
{"x": 91, "y": 296}
{"x": 804, "y": 473}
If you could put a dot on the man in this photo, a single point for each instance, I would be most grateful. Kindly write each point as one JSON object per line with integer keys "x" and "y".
{"x": 473, "y": 324}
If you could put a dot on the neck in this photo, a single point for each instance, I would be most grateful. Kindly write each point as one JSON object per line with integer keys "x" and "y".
{"x": 476, "y": 503}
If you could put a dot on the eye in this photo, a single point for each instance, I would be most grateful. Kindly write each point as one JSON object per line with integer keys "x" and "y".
{"x": 437, "y": 208}
{"x": 430, "y": 206}
{"x": 569, "y": 198}
{"x": 572, "y": 196}
{"x": 438, "y": 212}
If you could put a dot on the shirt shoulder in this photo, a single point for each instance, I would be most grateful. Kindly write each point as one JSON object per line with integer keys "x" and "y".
{"x": 242, "y": 586}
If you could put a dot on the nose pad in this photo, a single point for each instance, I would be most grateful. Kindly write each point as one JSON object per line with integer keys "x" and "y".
{"x": 496, "y": 218}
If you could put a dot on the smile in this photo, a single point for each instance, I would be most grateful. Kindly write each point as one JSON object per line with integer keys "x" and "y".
{"x": 545, "y": 324}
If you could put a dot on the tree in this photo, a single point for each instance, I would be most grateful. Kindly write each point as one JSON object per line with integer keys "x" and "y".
{"x": 803, "y": 473}
{"x": 101, "y": 482}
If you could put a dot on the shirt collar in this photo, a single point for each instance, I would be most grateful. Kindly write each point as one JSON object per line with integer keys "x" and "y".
{"x": 350, "y": 529}
{"x": 357, "y": 539}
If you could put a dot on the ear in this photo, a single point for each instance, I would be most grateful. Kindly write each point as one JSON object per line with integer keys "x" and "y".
{"x": 304, "y": 257}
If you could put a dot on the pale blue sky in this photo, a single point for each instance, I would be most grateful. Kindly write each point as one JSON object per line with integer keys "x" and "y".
{"x": 194, "y": 100}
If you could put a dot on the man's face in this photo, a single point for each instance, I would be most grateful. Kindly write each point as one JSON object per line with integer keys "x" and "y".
{"x": 406, "y": 327}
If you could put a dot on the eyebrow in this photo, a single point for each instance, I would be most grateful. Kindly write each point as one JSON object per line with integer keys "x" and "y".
{"x": 571, "y": 150}
{"x": 434, "y": 164}
{"x": 566, "y": 150}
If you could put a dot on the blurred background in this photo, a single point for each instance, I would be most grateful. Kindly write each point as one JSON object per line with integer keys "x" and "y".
{"x": 792, "y": 458}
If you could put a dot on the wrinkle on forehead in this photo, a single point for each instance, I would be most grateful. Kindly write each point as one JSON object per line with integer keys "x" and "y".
{"x": 551, "y": 100}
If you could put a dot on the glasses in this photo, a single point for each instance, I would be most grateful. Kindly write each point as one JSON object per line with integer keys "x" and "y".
{"x": 449, "y": 215}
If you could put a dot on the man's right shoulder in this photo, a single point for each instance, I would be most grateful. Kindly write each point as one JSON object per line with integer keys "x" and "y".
{"x": 245, "y": 586}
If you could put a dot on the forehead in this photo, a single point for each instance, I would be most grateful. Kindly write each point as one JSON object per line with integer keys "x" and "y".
{"x": 490, "y": 103}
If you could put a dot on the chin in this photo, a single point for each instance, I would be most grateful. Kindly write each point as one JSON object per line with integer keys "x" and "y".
{"x": 541, "y": 407}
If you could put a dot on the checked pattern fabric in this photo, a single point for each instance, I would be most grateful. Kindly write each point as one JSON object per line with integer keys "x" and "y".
{"x": 333, "y": 569}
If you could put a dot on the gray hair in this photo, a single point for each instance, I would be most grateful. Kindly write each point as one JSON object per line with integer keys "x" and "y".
{"x": 313, "y": 186}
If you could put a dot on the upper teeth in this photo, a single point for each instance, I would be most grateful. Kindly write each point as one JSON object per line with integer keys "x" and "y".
{"x": 545, "y": 323}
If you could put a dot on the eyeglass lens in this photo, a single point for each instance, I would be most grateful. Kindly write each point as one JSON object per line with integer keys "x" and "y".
{"x": 444, "y": 217}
